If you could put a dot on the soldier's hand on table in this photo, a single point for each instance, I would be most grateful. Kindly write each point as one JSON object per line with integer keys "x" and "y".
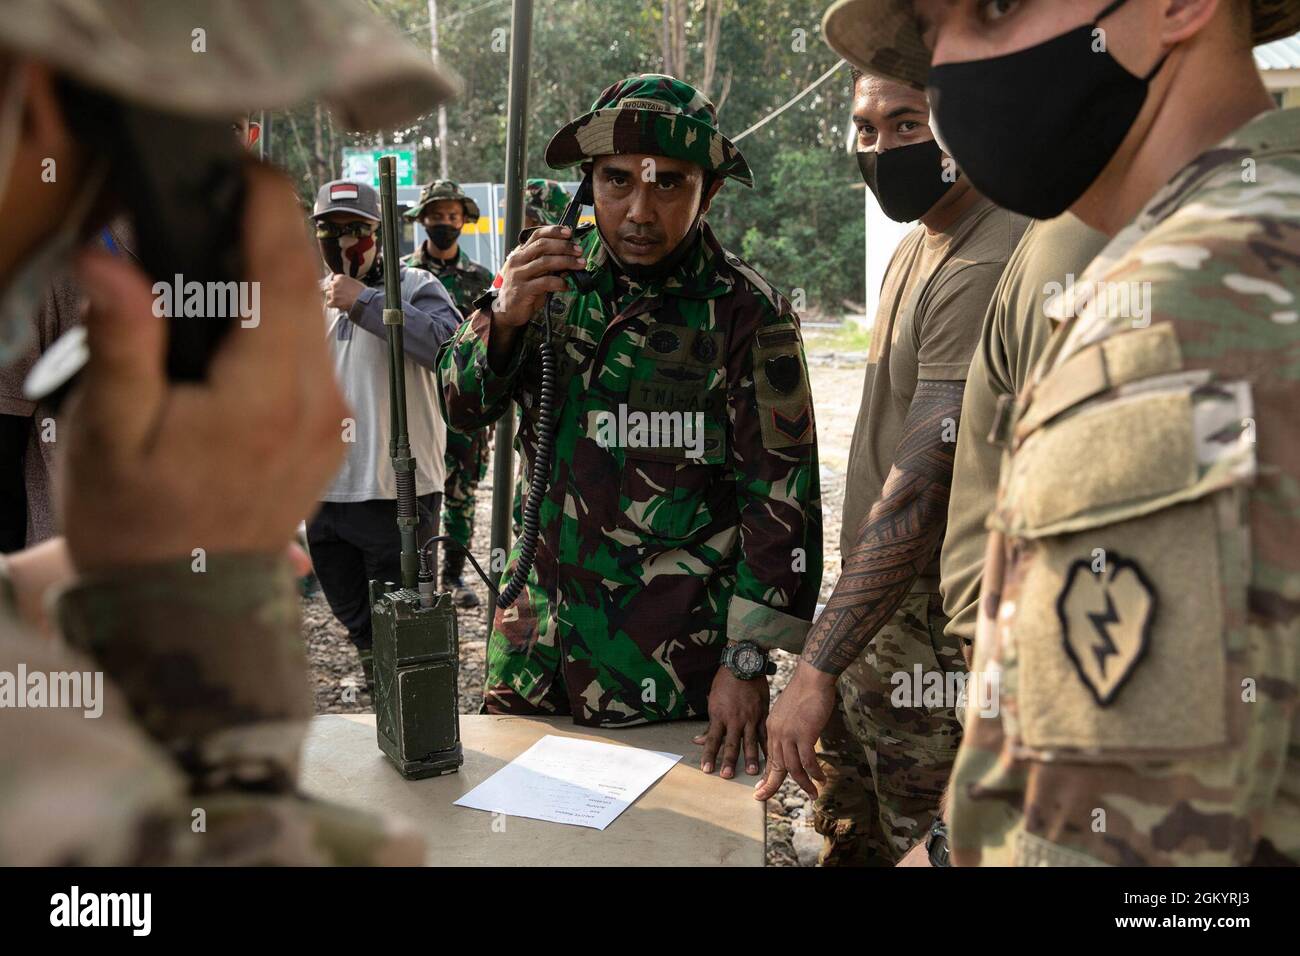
{"x": 156, "y": 469}
{"x": 737, "y": 709}
{"x": 797, "y": 720}
{"x": 532, "y": 270}
{"x": 341, "y": 291}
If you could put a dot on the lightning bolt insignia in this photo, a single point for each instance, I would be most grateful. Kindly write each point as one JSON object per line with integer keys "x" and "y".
{"x": 1106, "y": 648}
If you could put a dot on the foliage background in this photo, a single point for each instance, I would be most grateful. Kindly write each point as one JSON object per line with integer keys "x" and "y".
{"x": 801, "y": 225}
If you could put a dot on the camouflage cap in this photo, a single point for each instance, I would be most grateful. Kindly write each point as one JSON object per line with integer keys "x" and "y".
{"x": 547, "y": 198}
{"x": 654, "y": 114}
{"x": 882, "y": 37}
{"x": 221, "y": 59}
{"x": 439, "y": 190}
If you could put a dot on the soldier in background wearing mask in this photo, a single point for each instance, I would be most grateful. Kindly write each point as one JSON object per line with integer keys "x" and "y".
{"x": 443, "y": 210}
{"x": 353, "y": 536}
{"x": 886, "y": 760}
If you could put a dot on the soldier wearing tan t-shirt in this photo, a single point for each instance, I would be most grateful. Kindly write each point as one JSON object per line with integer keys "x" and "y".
{"x": 884, "y": 756}
{"x": 1050, "y": 258}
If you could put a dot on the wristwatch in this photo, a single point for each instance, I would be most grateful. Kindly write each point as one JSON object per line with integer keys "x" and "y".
{"x": 936, "y": 843}
{"x": 746, "y": 660}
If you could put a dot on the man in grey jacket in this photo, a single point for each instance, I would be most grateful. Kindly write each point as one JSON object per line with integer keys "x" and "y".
{"x": 353, "y": 537}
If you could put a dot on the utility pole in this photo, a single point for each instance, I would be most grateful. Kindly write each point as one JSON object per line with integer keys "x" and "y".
{"x": 503, "y": 464}
{"x": 442, "y": 109}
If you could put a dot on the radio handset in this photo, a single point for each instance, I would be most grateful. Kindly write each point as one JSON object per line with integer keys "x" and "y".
{"x": 539, "y": 480}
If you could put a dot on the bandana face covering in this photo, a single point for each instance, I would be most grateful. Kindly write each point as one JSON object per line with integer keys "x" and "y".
{"x": 1034, "y": 129}
{"x": 350, "y": 255}
{"x": 907, "y": 180}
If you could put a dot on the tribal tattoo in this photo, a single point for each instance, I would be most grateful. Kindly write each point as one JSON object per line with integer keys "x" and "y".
{"x": 898, "y": 536}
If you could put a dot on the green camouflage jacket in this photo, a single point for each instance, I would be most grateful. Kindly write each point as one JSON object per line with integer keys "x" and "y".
{"x": 464, "y": 279}
{"x": 650, "y": 559}
{"x": 193, "y": 756}
{"x": 1139, "y": 606}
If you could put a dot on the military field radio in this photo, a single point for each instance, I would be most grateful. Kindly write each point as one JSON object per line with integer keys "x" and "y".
{"x": 416, "y": 643}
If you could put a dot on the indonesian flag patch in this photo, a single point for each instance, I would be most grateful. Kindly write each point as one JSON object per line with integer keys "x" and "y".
{"x": 342, "y": 191}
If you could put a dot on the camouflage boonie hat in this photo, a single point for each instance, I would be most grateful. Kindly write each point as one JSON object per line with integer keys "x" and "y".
{"x": 439, "y": 190}
{"x": 882, "y": 37}
{"x": 221, "y": 59}
{"x": 654, "y": 114}
{"x": 545, "y": 200}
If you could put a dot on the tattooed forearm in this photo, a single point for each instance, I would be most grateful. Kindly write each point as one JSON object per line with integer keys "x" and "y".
{"x": 899, "y": 535}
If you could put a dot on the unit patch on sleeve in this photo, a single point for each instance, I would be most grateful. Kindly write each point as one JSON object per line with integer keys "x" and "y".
{"x": 1106, "y": 620}
{"x": 781, "y": 387}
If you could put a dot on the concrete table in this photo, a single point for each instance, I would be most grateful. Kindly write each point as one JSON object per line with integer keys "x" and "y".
{"x": 688, "y": 818}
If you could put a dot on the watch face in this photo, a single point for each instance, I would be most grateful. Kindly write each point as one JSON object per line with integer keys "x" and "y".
{"x": 749, "y": 661}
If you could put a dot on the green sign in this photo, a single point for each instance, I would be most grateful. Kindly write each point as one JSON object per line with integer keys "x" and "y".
{"x": 362, "y": 164}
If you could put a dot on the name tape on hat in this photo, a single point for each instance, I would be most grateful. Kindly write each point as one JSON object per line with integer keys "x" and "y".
{"x": 633, "y": 103}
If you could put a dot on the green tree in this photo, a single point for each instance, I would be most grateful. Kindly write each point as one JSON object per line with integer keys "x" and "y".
{"x": 801, "y": 224}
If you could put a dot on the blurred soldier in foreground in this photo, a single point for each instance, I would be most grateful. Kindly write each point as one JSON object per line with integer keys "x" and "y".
{"x": 192, "y": 756}
{"x": 887, "y": 755}
{"x": 1138, "y": 611}
{"x": 1051, "y": 257}
{"x": 352, "y": 537}
{"x": 659, "y": 542}
{"x": 444, "y": 210}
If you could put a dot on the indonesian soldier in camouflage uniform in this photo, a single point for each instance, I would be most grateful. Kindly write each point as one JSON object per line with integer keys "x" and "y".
{"x": 444, "y": 209}
{"x": 194, "y": 756}
{"x": 1138, "y": 608}
{"x": 651, "y": 558}
{"x": 544, "y": 202}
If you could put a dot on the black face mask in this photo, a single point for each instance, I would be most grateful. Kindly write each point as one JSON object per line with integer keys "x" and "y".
{"x": 442, "y": 235}
{"x": 907, "y": 180}
{"x": 1032, "y": 130}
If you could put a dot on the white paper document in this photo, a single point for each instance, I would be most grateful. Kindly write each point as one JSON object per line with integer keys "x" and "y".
{"x": 585, "y": 783}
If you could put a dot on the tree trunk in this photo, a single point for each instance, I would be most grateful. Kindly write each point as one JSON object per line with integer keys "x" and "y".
{"x": 713, "y": 13}
{"x": 674, "y": 38}
{"x": 318, "y": 155}
{"x": 308, "y": 172}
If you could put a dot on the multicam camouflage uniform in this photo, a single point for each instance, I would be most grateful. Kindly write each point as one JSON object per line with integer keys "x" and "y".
{"x": 641, "y": 576}
{"x": 195, "y": 756}
{"x": 466, "y": 455}
{"x": 1139, "y": 601}
{"x": 887, "y": 764}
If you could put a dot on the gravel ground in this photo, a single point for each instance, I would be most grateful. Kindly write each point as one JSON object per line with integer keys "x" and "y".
{"x": 335, "y": 670}
{"x": 791, "y": 841}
